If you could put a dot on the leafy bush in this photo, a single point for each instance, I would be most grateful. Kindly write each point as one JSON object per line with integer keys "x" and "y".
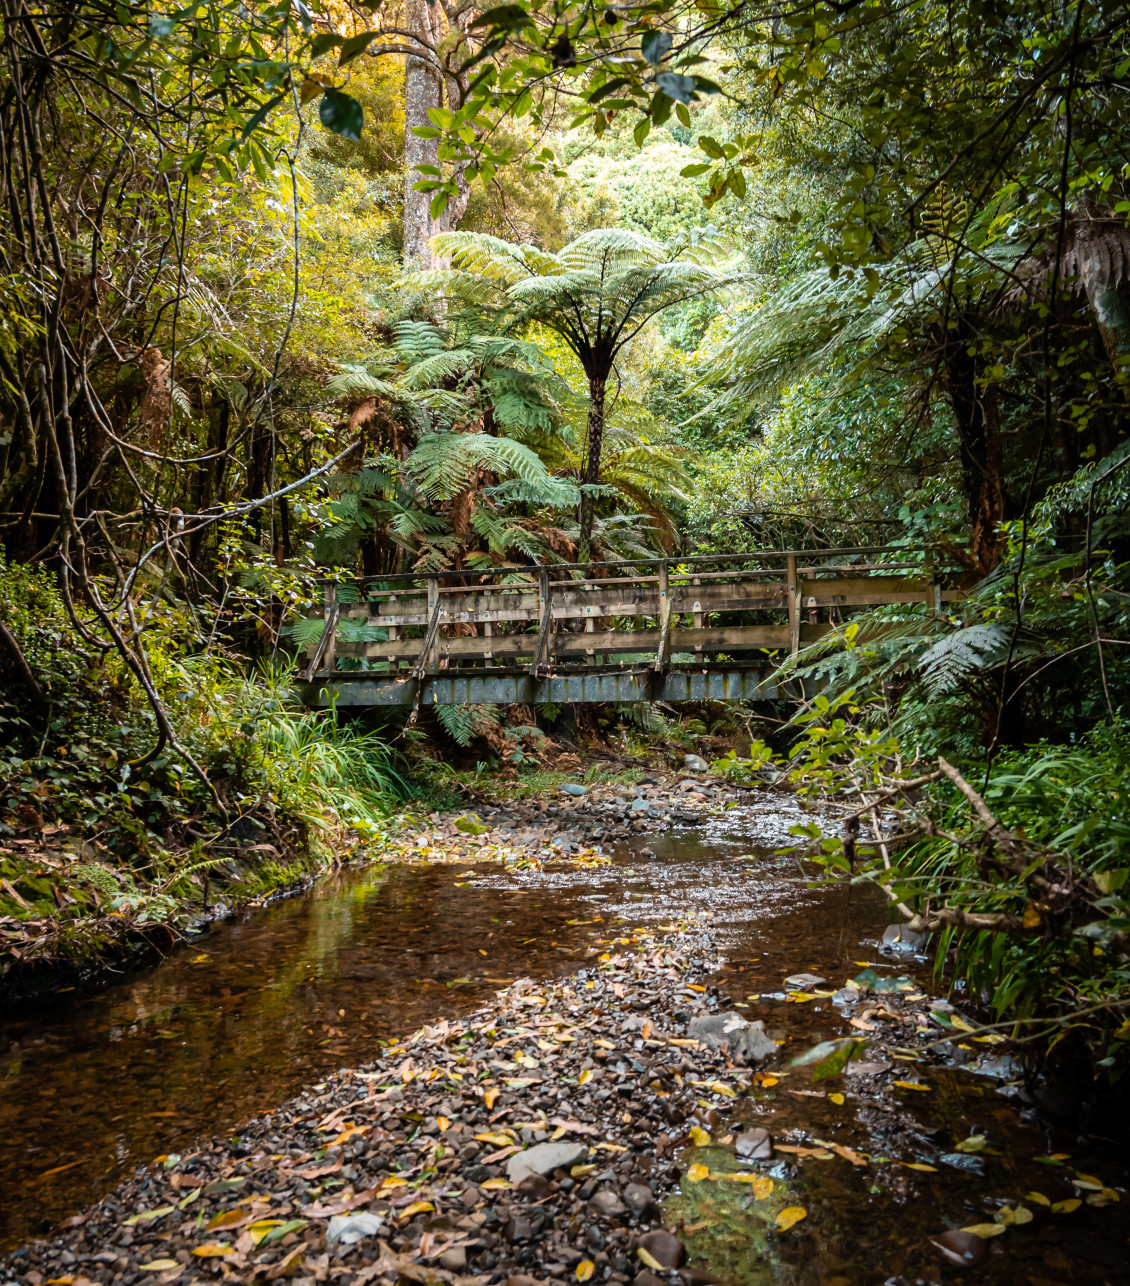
{"x": 79, "y": 769}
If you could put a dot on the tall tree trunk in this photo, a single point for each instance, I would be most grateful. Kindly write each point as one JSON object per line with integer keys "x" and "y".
{"x": 422, "y": 90}
{"x": 591, "y": 475}
{"x": 977, "y": 417}
{"x": 424, "y": 87}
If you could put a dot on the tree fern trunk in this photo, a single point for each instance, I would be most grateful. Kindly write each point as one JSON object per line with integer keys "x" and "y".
{"x": 594, "y": 447}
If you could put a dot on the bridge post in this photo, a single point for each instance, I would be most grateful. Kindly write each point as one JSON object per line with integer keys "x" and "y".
{"x": 793, "y": 603}
{"x": 329, "y": 652}
{"x": 662, "y": 661}
{"x": 429, "y": 655}
{"x": 545, "y": 618}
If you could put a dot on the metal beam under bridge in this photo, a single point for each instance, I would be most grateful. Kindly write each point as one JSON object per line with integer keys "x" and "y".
{"x": 559, "y": 689}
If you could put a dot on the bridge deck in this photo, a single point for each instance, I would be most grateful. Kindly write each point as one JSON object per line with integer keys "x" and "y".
{"x": 674, "y": 630}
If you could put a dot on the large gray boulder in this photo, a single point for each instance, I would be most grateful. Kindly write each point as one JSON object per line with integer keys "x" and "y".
{"x": 745, "y": 1041}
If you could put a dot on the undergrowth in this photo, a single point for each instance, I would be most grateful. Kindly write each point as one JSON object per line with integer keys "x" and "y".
{"x": 101, "y": 839}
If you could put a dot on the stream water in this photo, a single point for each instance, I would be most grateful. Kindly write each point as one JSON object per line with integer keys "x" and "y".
{"x": 272, "y": 1000}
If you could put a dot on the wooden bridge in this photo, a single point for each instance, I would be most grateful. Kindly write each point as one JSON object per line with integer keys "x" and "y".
{"x": 665, "y": 629}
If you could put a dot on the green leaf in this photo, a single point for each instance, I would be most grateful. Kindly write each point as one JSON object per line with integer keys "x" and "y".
{"x": 643, "y": 128}
{"x": 737, "y": 184}
{"x": 354, "y": 46}
{"x": 341, "y": 114}
{"x": 324, "y": 42}
{"x": 711, "y": 147}
{"x": 504, "y": 17}
{"x": 654, "y": 45}
{"x": 680, "y": 88}
{"x": 439, "y": 203}
{"x": 829, "y": 1058}
{"x": 693, "y": 171}
{"x": 259, "y": 117}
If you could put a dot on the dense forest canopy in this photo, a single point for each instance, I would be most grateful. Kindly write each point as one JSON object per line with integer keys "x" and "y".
{"x": 291, "y": 293}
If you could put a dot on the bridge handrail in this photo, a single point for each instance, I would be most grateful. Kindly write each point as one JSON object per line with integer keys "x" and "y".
{"x": 535, "y": 569}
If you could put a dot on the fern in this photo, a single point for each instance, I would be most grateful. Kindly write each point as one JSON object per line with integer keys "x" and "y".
{"x": 304, "y": 632}
{"x": 945, "y": 666}
{"x": 466, "y": 722}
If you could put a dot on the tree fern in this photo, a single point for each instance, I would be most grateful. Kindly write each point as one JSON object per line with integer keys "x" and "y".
{"x": 596, "y": 294}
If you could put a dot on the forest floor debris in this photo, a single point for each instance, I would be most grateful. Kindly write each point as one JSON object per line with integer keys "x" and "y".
{"x": 577, "y": 1131}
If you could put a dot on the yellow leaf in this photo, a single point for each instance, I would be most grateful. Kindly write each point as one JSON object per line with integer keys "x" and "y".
{"x": 789, "y": 1216}
{"x": 225, "y": 1219}
{"x": 257, "y": 1231}
{"x": 1104, "y": 1198}
{"x": 417, "y": 1208}
{"x": 585, "y": 1270}
{"x": 986, "y": 1229}
{"x": 499, "y": 1140}
{"x": 442, "y": 1122}
{"x": 1038, "y": 1198}
{"x": 1088, "y": 1181}
{"x": 495, "y": 1185}
{"x": 720, "y": 1087}
{"x": 838, "y": 1099}
{"x": 699, "y": 1136}
{"x": 199, "y": 959}
{"x": 579, "y": 1171}
{"x": 393, "y": 1181}
{"x": 482, "y": 952}
{"x": 920, "y": 1165}
{"x": 697, "y": 1173}
{"x": 912, "y": 1085}
{"x": 762, "y": 1186}
{"x": 649, "y": 1260}
{"x": 693, "y": 987}
{"x": 1066, "y": 1207}
{"x": 159, "y": 1266}
{"x": 1061, "y": 1156}
{"x": 491, "y": 1097}
{"x": 1032, "y": 918}
{"x": 212, "y": 1250}
{"x": 604, "y": 959}
{"x": 765, "y": 1078}
{"x": 585, "y": 1076}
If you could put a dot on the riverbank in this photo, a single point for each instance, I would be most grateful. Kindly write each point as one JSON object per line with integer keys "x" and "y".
{"x": 70, "y": 909}
{"x": 587, "y": 1129}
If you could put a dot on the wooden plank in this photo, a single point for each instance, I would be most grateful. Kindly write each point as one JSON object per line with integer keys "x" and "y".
{"x": 711, "y": 638}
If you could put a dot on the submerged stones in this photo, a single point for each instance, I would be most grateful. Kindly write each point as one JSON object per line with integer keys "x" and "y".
{"x": 754, "y": 1145}
{"x": 745, "y": 1041}
{"x": 664, "y": 1247}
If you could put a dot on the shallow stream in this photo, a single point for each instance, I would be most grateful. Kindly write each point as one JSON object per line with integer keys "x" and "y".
{"x": 272, "y": 1000}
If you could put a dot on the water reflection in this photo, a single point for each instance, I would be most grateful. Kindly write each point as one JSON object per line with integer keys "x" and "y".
{"x": 243, "y": 1019}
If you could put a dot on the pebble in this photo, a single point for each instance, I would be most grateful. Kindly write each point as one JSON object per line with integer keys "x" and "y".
{"x": 544, "y": 1159}
{"x": 664, "y": 1247}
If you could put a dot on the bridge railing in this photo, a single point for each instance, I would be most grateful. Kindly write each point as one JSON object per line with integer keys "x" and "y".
{"x": 655, "y": 612}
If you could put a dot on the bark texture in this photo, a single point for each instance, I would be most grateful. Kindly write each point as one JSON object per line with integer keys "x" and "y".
{"x": 427, "y": 84}
{"x": 593, "y": 451}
